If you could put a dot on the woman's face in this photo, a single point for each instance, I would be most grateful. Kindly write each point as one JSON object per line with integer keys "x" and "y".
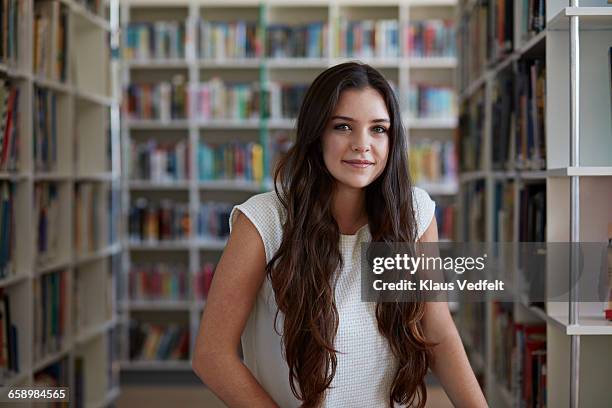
{"x": 356, "y": 138}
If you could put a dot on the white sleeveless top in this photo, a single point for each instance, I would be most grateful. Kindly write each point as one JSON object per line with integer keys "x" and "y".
{"x": 366, "y": 365}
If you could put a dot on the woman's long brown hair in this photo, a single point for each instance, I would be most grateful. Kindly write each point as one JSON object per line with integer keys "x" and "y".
{"x": 303, "y": 271}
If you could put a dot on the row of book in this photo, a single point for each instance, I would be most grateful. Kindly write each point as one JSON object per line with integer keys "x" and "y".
{"x": 473, "y": 214}
{"x": 239, "y": 39}
{"x": 45, "y": 129}
{"x": 50, "y": 313}
{"x": 7, "y": 229}
{"x": 213, "y": 220}
{"x": 54, "y": 375}
{"x": 216, "y": 99}
{"x": 472, "y": 41}
{"x": 297, "y": 41}
{"x": 9, "y": 125}
{"x": 164, "y": 100}
{"x": 9, "y": 352}
{"x": 167, "y": 220}
{"x": 223, "y": 40}
{"x": 47, "y": 216}
{"x": 90, "y": 214}
{"x": 12, "y": 15}
{"x": 445, "y": 218}
{"x": 158, "y": 281}
{"x": 154, "y": 40}
{"x": 285, "y": 99}
{"x": 50, "y": 51}
{"x": 231, "y": 161}
{"x": 430, "y": 38}
{"x": 433, "y": 161}
{"x": 532, "y": 213}
{"x": 159, "y": 162}
{"x": 369, "y": 38}
{"x": 431, "y": 101}
{"x": 519, "y": 356}
{"x": 150, "y": 342}
{"x": 471, "y": 131}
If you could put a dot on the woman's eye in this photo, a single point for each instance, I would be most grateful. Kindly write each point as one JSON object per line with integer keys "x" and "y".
{"x": 380, "y": 129}
{"x": 341, "y": 126}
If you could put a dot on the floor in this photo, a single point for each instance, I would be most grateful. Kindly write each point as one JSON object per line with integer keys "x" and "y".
{"x": 190, "y": 396}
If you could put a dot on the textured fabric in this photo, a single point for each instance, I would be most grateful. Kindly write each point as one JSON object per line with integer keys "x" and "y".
{"x": 365, "y": 364}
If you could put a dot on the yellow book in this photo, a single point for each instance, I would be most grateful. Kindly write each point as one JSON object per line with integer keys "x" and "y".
{"x": 257, "y": 153}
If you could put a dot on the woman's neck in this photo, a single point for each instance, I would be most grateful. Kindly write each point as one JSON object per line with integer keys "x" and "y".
{"x": 348, "y": 209}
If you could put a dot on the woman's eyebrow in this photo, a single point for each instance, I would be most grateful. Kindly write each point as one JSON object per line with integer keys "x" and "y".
{"x": 352, "y": 120}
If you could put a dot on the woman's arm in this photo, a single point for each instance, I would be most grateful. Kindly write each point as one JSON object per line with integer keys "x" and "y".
{"x": 237, "y": 279}
{"x": 450, "y": 363}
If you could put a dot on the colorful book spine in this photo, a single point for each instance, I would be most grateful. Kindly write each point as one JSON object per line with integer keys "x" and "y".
{"x": 50, "y": 313}
{"x": 7, "y": 229}
{"x": 55, "y": 375}
{"x": 159, "y": 101}
{"x": 9, "y": 345}
{"x": 158, "y": 281}
{"x": 225, "y": 40}
{"x": 163, "y": 221}
{"x": 471, "y": 133}
{"x": 159, "y": 162}
{"x": 213, "y": 220}
{"x": 369, "y": 38}
{"x": 231, "y": 161}
{"x": 529, "y": 365}
{"x": 532, "y": 18}
{"x": 216, "y": 99}
{"x": 501, "y": 28}
{"x": 45, "y": 130}
{"x": 433, "y": 161}
{"x": 156, "y": 342}
{"x": 154, "y": 40}
{"x": 48, "y": 234}
{"x": 203, "y": 280}
{"x": 297, "y": 41}
{"x": 286, "y": 99}
{"x": 12, "y": 16}
{"x": 50, "y": 51}
{"x": 531, "y": 115}
{"x": 9, "y": 126}
{"x": 431, "y": 101}
{"x": 430, "y": 38}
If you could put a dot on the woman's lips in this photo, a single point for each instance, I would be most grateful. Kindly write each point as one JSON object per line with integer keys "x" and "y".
{"x": 360, "y": 164}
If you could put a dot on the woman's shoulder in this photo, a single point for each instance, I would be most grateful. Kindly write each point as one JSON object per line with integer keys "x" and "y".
{"x": 266, "y": 213}
{"x": 424, "y": 209}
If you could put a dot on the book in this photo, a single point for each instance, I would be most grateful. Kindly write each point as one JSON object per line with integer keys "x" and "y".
{"x": 55, "y": 375}
{"x": 473, "y": 43}
{"x": 155, "y": 40}
{"x": 308, "y": 40}
{"x": 50, "y": 49}
{"x": 47, "y": 216}
{"x": 501, "y": 29}
{"x": 231, "y": 161}
{"x": 528, "y": 366}
{"x": 90, "y": 215}
{"x": 164, "y": 101}
{"x": 218, "y": 99}
{"x": 219, "y": 40}
{"x": 368, "y": 38}
{"x": 151, "y": 221}
{"x": 532, "y": 213}
{"x": 50, "y": 313}
{"x": 12, "y": 19}
{"x": 433, "y": 161}
{"x": 430, "y": 101}
{"x": 159, "y": 162}
{"x": 9, "y": 345}
{"x": 9, "y": 125}
{"x": 531, "y": 115}
{"x": 7, "y": 229}
{"x": 158, "y": 281}
{"x": 213, "y": 219}
{"x": 504, "y": 120}
{"x": 45, "y": 130}
{"x": 158, "y": 342}
{"x": 445, "y": 218}
{"x": 285, "y": 99}
{"x": 430, "y": 38}
{"x": 470, "y": 133}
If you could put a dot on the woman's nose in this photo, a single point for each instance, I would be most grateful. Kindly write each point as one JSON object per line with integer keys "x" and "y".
{"x": 361, "y": 148}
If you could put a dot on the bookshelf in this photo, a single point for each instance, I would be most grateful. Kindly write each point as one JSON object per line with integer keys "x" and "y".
{"x": 505, "y": 184}
{"x": 60, "y": 185}
{"x": 264, "y": 59}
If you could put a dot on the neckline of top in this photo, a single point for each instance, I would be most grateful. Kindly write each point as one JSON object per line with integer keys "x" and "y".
{"x": 356, "y": 233}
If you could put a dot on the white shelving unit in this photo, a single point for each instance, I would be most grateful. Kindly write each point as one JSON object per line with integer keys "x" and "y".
{"x": 579, "y": 354}
{"x": 194, "y": 252}
{"x": 87, "y": 157}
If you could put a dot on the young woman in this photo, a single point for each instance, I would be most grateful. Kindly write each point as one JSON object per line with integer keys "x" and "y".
{"x": 289, "y": 279}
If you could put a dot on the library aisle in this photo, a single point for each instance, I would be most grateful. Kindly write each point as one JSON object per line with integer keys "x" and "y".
{"x": 129, "y": 129}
